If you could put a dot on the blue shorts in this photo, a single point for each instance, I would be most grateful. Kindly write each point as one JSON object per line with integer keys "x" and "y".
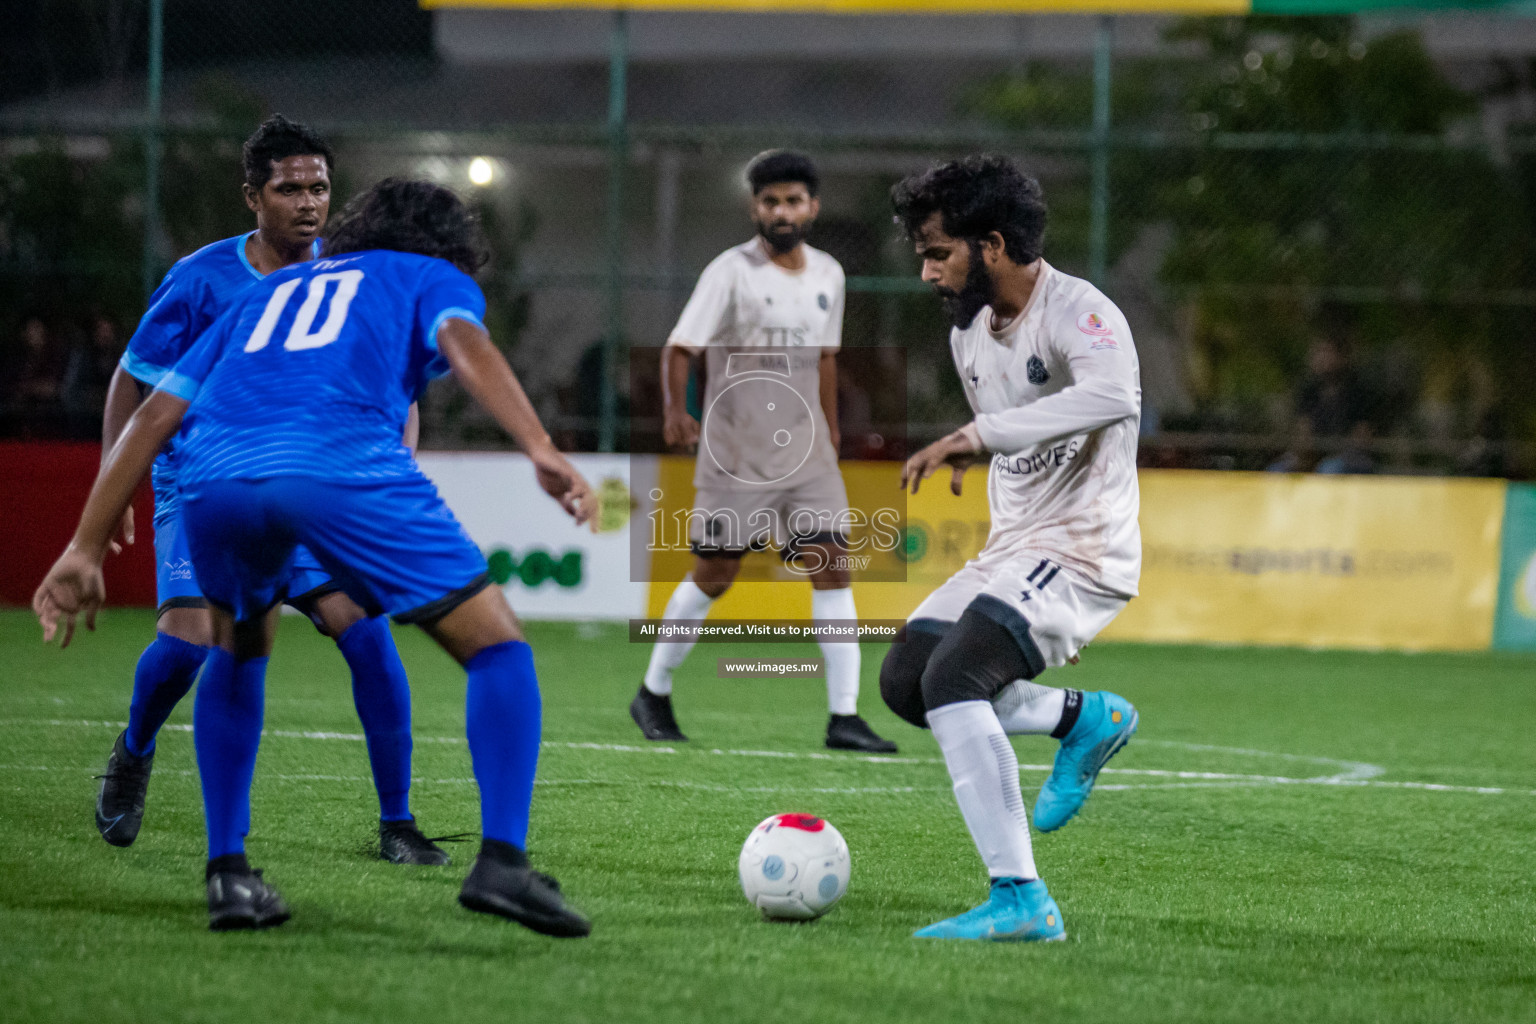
{"x": 309, "y": 579}
{"x": 176, "y": 583}
{"x": 392, "y": 545}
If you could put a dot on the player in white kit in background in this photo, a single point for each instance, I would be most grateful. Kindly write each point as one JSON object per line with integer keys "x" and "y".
{"x": 1050, "y": 371}
{"x": 767, "y": 317}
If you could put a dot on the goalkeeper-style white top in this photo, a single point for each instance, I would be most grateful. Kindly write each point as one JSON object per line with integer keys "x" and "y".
{"x": 1057, "y": 396}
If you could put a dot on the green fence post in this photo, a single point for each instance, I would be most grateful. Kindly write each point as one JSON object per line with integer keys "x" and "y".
{"x": 1098, "y": 210}
{"x": 618, "y": 156}
{"x": 150, "y": 270}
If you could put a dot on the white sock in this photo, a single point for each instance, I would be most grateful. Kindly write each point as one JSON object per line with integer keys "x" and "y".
{"x": 1024, "y": 706}
{"x": 842, "y": 659}
{"x": 985, "y": 774}
{"x": 687, "y": 602}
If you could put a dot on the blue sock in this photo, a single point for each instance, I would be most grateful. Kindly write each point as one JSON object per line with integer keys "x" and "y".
{"x": 383, "y": 698}
{"x": 502, "y": 720}
{"x": 226, "y": 724}
{"x": 164, "y": 675}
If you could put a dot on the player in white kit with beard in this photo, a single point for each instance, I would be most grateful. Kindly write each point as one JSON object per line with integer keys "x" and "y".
{"x": 1050, "y": 371}
{"x": 767, "y": 318}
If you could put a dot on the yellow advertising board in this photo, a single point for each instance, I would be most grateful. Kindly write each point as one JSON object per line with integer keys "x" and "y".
{"x": 942, "y": 532}
{"x": 1368, "y": 562}
{"x": 1242, "y": 558}
{"x": 770, "y": 591}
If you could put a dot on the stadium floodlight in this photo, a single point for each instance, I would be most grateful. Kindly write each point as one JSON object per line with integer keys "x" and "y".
{"x": 481, "y": 171}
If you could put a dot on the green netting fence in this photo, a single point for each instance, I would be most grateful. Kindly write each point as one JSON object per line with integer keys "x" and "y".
{"x": 1261, "y": 197}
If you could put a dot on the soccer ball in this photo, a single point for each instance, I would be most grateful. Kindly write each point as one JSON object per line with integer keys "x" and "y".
{"x": 794, "y": 867}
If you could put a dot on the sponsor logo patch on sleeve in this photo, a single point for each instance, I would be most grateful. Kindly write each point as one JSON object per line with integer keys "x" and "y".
{"x": 1095, "y": 325}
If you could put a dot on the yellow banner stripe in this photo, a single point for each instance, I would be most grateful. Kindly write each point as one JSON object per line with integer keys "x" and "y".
{"x": 881, "y": 6}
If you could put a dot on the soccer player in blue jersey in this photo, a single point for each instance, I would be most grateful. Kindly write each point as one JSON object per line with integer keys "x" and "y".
{"x": 291, "y": 410}
{"x": 288, "y": 188}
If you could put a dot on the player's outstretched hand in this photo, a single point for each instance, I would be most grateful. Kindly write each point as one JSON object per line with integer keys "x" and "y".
{"x": 72, "y": 586}
{"x": 953, "y": 450}
{"x": 565, "y": 484}
{"x": 680, "y": 430}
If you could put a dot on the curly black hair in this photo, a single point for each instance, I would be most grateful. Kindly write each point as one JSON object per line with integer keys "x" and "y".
{"x": 973, "y": 198}
{"x": 410, "y": 216}
{"x": 776, "y": 166}
{"x": 278, "y": 139}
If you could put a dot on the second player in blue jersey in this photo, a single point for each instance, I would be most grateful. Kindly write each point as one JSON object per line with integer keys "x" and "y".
{"x": 287, "y": 186}
{"x": 291, "y": 408}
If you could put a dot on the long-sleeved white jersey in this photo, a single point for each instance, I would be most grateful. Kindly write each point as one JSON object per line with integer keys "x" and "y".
{"x": 1057, "y": 396}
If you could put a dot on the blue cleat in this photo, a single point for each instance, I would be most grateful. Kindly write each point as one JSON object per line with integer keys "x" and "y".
{"x": 1104, "y": 725}
{"x": 1016, "y": 911}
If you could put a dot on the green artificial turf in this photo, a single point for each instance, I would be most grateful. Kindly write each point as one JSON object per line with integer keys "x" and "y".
{"x": 1251, "y": 860}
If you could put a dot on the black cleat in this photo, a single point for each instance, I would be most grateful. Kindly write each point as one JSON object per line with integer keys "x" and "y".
{"x": 401, "y": 842}
{"x": 653, "y": 714}
{"x": 502, "y": 883}
{"x": 240, "y": 899}
{"x": 850, "y": 732}
{"x": 120, "y": 802}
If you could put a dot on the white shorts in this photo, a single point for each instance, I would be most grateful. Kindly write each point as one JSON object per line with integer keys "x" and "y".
{"x": 738, "y": 520}
{"x": 1048, "y": 604}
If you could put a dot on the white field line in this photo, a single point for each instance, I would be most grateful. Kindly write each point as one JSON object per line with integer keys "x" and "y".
{"x": 1350, "y": 770}
{"x": 1256, "y": 781}
{"x": 1349, "y": 773}
{"x": 466, "y": 781}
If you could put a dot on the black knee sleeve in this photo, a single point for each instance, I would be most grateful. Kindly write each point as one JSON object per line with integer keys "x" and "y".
{"x": 901, "y": 673}
{"x": 979, "y": 656}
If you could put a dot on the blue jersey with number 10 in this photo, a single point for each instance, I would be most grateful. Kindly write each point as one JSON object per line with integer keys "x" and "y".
{"x": 313, "y": 372}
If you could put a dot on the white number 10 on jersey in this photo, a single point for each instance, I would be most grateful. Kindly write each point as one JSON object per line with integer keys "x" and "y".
{"x": 301, "y": 335}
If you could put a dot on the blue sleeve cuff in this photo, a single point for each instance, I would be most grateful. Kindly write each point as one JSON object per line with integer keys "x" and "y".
{"x": 181, "y": 386}
{"x": 143, "y": 369}
{"x": 458, "y": 312}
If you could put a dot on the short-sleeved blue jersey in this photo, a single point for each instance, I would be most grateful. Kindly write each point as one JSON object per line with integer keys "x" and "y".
{"x": 313, "y": 372}
{"x": 196, "y": 292}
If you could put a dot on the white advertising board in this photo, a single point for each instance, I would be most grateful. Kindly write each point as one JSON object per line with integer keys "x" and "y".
{"x": 549, "y": 567}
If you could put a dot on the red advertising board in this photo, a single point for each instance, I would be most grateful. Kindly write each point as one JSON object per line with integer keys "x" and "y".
{"x": 43, "y": 487}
